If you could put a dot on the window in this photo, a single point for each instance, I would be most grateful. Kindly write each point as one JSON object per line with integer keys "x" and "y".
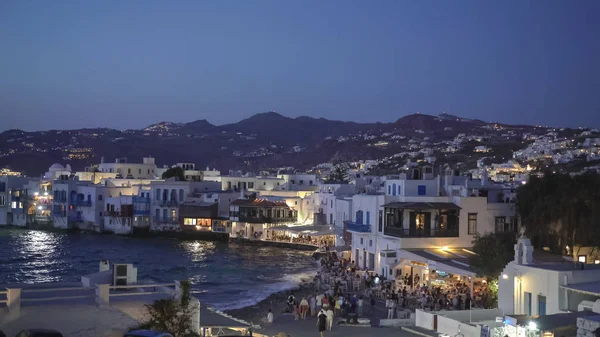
{"x": 472, "y": 223}
{"x": 13, "y": 204}
{"x": 370, "y": 243}
{"x": 368, "y": 218}
{"x": 189, "y": 222}
{"x": 361, "y": 241}
{"x": 359, "y": 217}
{"x": 421, "y": 190}
{"x": 500, "y": 220}
{"x": 582, "y": 258}
{"x": 140, "y": 171}
{"x": 100, "y": 197}
{"x": 2, "y": 200}
{"x": 158, "y": 194}
{"x": 381, "y": 221}
{"x": 331, "y": 203}
{"x": 389, "y": 189}
{"x": 394, "y": 189}
{"x": 128, "y": 171}
{"x": 250, "y": 184}
{"x": 301, "y": 182}
{"x": 181, "y": 195}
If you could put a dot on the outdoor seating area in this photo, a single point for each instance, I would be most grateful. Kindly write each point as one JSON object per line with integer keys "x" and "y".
{"x": 309, "y": 235}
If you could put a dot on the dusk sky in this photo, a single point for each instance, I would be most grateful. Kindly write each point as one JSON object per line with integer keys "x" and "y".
{"x": 127, "y": 64}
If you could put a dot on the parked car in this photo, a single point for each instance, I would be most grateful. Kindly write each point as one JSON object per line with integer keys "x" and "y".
{"x": 39, "y": 333}
{"x": 147, "y": 333}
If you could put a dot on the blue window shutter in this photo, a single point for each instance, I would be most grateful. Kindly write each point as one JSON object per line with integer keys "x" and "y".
{"x": 368, "y": 218}
{"x": 422, "y": 190}
{"x": 394, "y": 189}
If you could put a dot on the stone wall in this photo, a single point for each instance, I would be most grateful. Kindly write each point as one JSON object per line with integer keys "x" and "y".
{"x": 586, "y": 326}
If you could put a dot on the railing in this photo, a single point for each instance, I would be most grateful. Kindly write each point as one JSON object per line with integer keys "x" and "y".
{"x": 6, "y": 294}
{"x": 85, "y": 203}
{"x": 140, "y": 200}
{"x": 55, "y": 298}
{"x": 167, "y": 202}
{"x": 166, "y": 220}
{"x": 138, "y": 286}
{"x": 75, "y": 217}
{"x": 356, "y": 227}
{"x": 265, "y": 219}
{"x": 420, "y": 233}
{"x": 58, "y": 212}
{"x": 141, "y": 212}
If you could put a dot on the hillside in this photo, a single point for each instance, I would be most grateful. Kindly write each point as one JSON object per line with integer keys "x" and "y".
{"x": 264, "y": 140}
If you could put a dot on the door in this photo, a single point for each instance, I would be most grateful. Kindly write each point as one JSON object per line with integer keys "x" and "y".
{"x": 541, "y": 305}
{"x": 364, "y": 264}
{"x": 371, "y": 261}
{"x": 413, "y": 224}
{"x": 527, "y": 304}
{"x": 357, "y": 256}
{"x": 427, "y": 226}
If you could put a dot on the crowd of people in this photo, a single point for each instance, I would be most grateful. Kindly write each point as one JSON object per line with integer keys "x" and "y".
{"x": 321, "y": 241}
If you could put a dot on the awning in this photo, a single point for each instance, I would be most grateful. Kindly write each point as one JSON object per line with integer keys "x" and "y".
{"x": 447, "y": 261}
{"x": 589, "y": 288}
{"x": 423, "y": 205}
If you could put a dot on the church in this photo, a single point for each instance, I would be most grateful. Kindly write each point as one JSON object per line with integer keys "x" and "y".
{"x": 533, "y": 286}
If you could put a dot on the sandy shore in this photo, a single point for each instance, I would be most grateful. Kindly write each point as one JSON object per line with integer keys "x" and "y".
{"x": 276, "y": 302}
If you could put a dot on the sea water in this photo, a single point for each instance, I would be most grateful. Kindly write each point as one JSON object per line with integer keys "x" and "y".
{"x": 228, "y": 276}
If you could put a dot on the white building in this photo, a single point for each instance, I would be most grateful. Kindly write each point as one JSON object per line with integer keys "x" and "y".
{"x": 419, "y": 222}
{"x": 530, "y": 287}
{"x": 123, "y": 169}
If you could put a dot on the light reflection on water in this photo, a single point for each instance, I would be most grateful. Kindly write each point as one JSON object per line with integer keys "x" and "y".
{"x": 219, "y": 273}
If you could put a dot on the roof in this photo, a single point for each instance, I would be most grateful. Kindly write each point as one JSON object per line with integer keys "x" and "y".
{"x": 589, "y": 288}
{"x": 259, "y": 203}
{"x": 423, "y": 205}
{"x": 551, "y": 322}
{"x": 455, "y": 261}
{"x": 198, "y": 204}
{"x": 211, "y": 319}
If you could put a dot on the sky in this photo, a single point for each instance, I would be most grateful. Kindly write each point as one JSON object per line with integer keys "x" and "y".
{"x": 127, "y": 64}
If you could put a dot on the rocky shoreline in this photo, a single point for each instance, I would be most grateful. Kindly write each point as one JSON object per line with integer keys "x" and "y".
{"x": 277, "y": 302}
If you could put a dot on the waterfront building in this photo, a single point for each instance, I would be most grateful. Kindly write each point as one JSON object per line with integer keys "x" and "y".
{"x": 207, "y": 211}
{"x": 423, "y": 220}
{"x": 13, "y": 200}
{"x": 534, "y": 286}
{"x": 236, "y": 181}
{"x": 252, "y": 218}
{"x": 123, "y": 169}
{"x": 118, "y": 214}
{"x": 167, "y": 195}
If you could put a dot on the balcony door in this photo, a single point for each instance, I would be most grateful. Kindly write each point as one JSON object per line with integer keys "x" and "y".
{"x": 420, "y": 224}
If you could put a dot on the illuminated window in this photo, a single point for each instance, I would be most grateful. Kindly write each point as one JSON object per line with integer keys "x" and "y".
{"x": 596, "y": 261}
{"x": 189, "y": 222}
{"x": 582, "y": 258}
{"x": 13, "y": 204}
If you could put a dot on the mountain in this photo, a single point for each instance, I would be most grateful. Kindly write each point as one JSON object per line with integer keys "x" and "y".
{"x": 261, "y": 141}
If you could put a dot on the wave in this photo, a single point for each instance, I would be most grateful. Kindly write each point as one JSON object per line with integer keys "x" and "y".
{"x": 261, "y": 292}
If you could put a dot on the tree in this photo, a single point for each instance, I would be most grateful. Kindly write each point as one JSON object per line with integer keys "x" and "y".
{"x": 492, "y": 253}
{"x": 561, "y": 210}
{"x": 338, "y": 174}
{"x": 172, "y": 315}
{"x": 176, "y": 172}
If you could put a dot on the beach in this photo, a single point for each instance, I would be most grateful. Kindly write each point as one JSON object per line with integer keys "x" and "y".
{"x": 277, "y": 302}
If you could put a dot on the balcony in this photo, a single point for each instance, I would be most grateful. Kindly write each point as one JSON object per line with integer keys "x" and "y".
{"x": 76, "y": 217}
{"x": 265, "y": 219}
{"x": 141, "y": 212}
{"x": 167, "y": 203}
{"x": 140, "y": 200}
{"x": 359, "y": 228}
{"x": 166, "y": 220}
{"x": 400, "y": 232}
{"x": 82, "y": 203}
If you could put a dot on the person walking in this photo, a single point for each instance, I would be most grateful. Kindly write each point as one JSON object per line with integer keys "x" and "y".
{"x": 313, "y": 305}
{"x": 330, "y": 316}
{"x": 303, "y": 308}
{"x": 322, "y": 322}
{"x": 360, "y": 306}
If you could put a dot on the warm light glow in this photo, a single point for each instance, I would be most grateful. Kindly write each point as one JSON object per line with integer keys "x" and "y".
{"x": 581, "y": 259}
{"x": 40, "y": 208}
{"x": 445, "y": 248}
{"x": 45, "y": 193}
{"x": 36, "y": 193}
{"x": 504, "y": 276}
{"x": 532, "y": 326}
{"x": 596, "y": 261}
{"x": 197, "y": 227}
